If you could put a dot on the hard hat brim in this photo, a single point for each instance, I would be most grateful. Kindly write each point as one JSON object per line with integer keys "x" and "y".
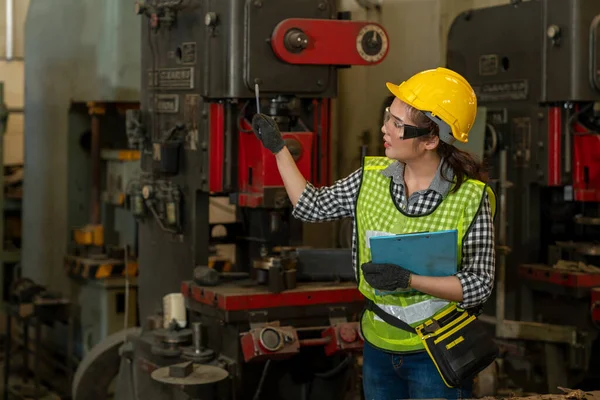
{"x": 400, "y": 94}
{"x": 395, "y": 90}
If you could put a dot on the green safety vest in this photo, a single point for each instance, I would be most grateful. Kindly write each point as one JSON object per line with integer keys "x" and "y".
{"x": 376, "y": 214}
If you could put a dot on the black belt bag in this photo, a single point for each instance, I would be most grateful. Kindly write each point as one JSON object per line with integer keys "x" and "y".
{"x": 457, "y": 342}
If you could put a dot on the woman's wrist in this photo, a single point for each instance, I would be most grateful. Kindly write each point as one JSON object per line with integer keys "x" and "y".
{"x": 281, "y": 152}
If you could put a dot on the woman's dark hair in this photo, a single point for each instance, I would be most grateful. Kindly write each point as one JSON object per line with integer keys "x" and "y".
{"x": 463, "y": 164}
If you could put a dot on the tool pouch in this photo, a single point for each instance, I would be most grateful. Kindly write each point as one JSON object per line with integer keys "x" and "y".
{"x": 459, "y": 345}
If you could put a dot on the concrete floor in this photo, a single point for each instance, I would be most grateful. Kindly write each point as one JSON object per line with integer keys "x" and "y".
{"x": 26, "y": 389}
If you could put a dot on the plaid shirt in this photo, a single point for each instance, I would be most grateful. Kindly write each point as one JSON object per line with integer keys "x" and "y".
{"x": 478, "y": 256}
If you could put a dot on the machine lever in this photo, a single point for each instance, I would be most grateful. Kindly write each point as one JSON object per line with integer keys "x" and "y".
{"x": 256, "y": 91}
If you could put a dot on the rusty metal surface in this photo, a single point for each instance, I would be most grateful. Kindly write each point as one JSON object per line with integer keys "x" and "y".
{"x": 201, "y": 375}
{"x": 534, "y": 331}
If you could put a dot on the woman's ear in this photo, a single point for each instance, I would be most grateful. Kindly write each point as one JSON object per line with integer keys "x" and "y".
{"x": 432, "y": 142}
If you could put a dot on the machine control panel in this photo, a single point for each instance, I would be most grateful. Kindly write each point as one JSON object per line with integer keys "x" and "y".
{"x": 372, "y": 43}
{"x": 270, "y": 342}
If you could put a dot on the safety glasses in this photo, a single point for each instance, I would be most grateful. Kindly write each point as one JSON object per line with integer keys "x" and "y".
{"x": 403, "y": 130}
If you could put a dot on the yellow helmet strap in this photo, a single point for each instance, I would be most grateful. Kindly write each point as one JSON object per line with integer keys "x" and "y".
{"x": 445, "y": 130}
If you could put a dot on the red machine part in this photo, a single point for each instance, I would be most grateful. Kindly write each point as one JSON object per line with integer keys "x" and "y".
{"x": 274, "y": 342}
{"x": 270, "y": 342}
{"x": 258, "y": 171}
{"x": 596, "y": 304}
{"x": 554, "y": 146}
{"x": 343, "y": 337}
{"x": 586, "y": 165}
{"x": 555, "y": 276}
{"x": 217, "y": 147}
{"x": 234, "y": 298}
{"x": 329, "y": 42}
{"x": 257, "y": 168}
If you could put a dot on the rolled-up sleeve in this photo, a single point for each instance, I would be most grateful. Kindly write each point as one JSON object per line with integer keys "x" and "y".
{"x": 329, "y": 203}
{"x": 478, "y": 259}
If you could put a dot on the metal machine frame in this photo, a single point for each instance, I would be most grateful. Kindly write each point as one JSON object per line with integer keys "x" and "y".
{"x": 207, "y": 68}
{"x": 536, "y": 74}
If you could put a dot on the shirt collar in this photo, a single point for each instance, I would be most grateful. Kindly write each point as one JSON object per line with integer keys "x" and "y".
{"x": 440, "y": 185}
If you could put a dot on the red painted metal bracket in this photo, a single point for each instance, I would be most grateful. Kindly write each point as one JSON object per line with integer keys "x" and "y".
{"x": 329, "y": 42}
{"x": 254, "y": 299}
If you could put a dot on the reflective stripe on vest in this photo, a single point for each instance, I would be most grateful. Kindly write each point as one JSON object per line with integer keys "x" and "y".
{"x": 376, "y": 214}
{"x": 415, "y": 312}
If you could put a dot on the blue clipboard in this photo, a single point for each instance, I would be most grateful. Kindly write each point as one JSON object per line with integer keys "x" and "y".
{"x": 423, "y": 253}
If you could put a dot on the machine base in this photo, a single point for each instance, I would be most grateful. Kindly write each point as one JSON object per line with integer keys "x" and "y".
{"x": 297, "y": 341}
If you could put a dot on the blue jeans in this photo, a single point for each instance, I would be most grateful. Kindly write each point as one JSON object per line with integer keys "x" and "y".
{"x": 388, "y": 376}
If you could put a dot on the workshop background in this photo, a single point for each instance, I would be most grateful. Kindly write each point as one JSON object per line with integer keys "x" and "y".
{"x": 64, "y": 66}
{"x": 95, "y": 53}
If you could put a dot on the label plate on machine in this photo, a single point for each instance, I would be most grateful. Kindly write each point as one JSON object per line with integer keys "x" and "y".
{"x": 502, "y": 91}
{"x": 171, "y": 78}
{"x": 166, "y": 103}
{"x": 188, "y": 53}
{"x": 488, "y": 64}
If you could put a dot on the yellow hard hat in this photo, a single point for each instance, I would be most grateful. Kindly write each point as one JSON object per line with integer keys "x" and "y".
{"x": 443, "y": 95}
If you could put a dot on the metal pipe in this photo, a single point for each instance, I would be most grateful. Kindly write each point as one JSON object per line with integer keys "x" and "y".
{"x": 95, "y": 192}
{"x": 9, "y": 29}
{"x": 315, "y": 342}
{"x": 313, "y": 328}
{"x": 501, "y": 264}
{"x": 197, "y": 336}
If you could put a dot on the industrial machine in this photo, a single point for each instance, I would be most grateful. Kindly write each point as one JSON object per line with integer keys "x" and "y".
{"x": 101, "y": 258}
{"x": 536, "y": 69}
{"x": 280, "y": 321}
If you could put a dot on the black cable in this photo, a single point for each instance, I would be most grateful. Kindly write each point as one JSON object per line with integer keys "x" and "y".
{"x": 575, "y": 119}
{"x": 158, "y": 219}
{"x": 262, "y": 380}
{"x": 305, "y": 390}
{"x": 335, "y": 370}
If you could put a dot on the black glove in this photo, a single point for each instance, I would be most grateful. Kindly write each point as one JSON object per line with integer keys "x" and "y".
{"x": 267, "y": 131}
{"x": 388, "y": 277}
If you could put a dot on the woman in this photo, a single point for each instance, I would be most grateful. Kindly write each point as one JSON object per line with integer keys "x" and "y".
{"x": 423, "y": 184}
